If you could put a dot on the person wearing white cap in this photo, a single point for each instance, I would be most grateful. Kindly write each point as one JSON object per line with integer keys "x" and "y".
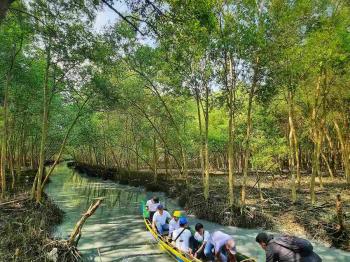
{"x": 160, "y": 218}
{"x": 221, "y": 246}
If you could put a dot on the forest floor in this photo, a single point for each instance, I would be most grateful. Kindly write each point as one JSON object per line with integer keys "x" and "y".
{"x": 26, "y": 227}
{"x": 272, "y": 209}
{"x": 318, "y": 222}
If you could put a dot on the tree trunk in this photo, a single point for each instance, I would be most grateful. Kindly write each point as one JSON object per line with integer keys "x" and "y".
{"x": 166, "y": 162}
{"x": 63, "y": 144}
{"x": 201, "y": 148}
{"x": 292, "y": 146}
{"x": 4, "y": 139}
{"x": 249, "y": 127}
{"x": 155, "y": 159}
{"x": 44, "y": 128}
{"x": 6, "y": 97}
{"x": 339, "y": 212}
{"x": 345, "y": 150}
{"x": 184, "y": 163}
{"x": 315, "y": 137}
{"x": 330, "y": 171}
{"x": 206, "y": 153}
{"x": 230, "y": 83}
{"x": 247, "y": 146}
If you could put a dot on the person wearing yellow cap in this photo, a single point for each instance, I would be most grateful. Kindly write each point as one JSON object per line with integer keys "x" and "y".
{"x": 174, "y": 222}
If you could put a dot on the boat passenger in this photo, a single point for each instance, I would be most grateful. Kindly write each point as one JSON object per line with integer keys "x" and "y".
{"x": 220, "y": 246}
{"x": 151, "y": 206}
{"x": 182, "y": 235}
{"x": 287, "y": 248}
{"x": 200, "y": 240}
{"x": 174, "y": 222}
{"x": 160, "y": 218}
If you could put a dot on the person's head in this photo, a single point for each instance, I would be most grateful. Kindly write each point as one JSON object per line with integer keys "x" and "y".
{"x": 155, "y": 199}
{"x": 160, "y": 209}
{"x": 199, "y": 228}
{"x": 176, "y": 215}
{"x": 230, "y": 247}
{"x": 263, "y": 239}
{"x": 183, "y": 221}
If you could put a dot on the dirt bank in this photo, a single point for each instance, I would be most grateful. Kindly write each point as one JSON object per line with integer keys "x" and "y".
{"x": 26, "y": 227}
{"x": 270, "y": 208}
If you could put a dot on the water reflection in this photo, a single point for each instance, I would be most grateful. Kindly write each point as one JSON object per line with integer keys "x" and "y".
{"x": 116, "y": 231}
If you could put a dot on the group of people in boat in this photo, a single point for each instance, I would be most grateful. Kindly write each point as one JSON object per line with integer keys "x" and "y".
{"x": 201, "y": 244}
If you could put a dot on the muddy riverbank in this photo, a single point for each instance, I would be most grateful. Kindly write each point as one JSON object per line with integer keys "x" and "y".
{"x": 26, "y": 227}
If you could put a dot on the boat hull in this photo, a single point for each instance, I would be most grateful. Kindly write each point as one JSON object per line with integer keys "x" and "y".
{"x": 173, "y": 252}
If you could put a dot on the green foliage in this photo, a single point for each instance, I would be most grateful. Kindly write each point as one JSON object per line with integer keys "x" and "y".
{"x": 140, "y": 91}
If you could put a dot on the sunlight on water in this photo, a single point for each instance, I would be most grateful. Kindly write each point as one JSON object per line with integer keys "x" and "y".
{"x": 116, "y": 231}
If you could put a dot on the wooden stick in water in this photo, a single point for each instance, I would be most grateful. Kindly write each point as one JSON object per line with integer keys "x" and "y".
{"x": 81, "y": 222}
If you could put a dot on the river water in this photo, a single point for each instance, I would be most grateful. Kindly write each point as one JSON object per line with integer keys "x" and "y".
{"x": 116, "y": 231}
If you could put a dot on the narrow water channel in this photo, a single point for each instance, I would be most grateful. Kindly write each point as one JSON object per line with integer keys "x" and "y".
{"x": 116, "y": 231}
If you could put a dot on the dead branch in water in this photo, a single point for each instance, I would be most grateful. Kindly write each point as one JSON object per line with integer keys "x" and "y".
{"x": 77, "y": 229}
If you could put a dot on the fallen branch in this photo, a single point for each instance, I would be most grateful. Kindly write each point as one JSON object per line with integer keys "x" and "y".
{"x": 81, "y": 222}
{"x": 13, "y": 201}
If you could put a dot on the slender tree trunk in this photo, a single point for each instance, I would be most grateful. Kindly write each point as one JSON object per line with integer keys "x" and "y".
{"x": 247, "y": 146}
{"x": 63, "y": 145}
{"x": 166, "y": 162}
{"x": 249, "y": 127}
{"x": 259, "y": 185}
{"x": 345, "y": 150}
{"x": 292, "y": 146}
{"x": 206, "y": 153}
{"x": 330, "y": 171}
{"x": 230, "y": 82}
{"x": 201, "y": 149}
{"x": 44, "y": 129}
{"x": 155, "y": 158}
{"x": 4, "y": 138}
{"x": 5, "y": 127}
{"x": 184, "y": 163}
{"x": 297, "y": 154}
{"x": 315, "y": 160}
{"x": 333, "y": 152}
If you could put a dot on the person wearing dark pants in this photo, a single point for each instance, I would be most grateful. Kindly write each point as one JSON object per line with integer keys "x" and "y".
{"x": 199, "y": 241}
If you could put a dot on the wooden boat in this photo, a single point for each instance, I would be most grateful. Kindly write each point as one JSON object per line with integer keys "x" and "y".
{"x": 175, "y": 253}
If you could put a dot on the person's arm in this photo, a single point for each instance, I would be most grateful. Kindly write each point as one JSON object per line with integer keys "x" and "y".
{"x": 168, "y": 216}
{"x": 154, "y": 222}
{"x": 205, "y": 240}
{"x": 270, "y": 254}
{"x": 201, "y": 247}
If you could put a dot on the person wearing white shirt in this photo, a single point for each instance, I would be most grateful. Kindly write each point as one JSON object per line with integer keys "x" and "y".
{"x": 182, "y": 236}
{"x": 174, "y": 222}
{"x": 220, "y": 246}
{"x": 201, "y": 238}
{"x": 151, "y": 206}
{"x": 160, "y": 218}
